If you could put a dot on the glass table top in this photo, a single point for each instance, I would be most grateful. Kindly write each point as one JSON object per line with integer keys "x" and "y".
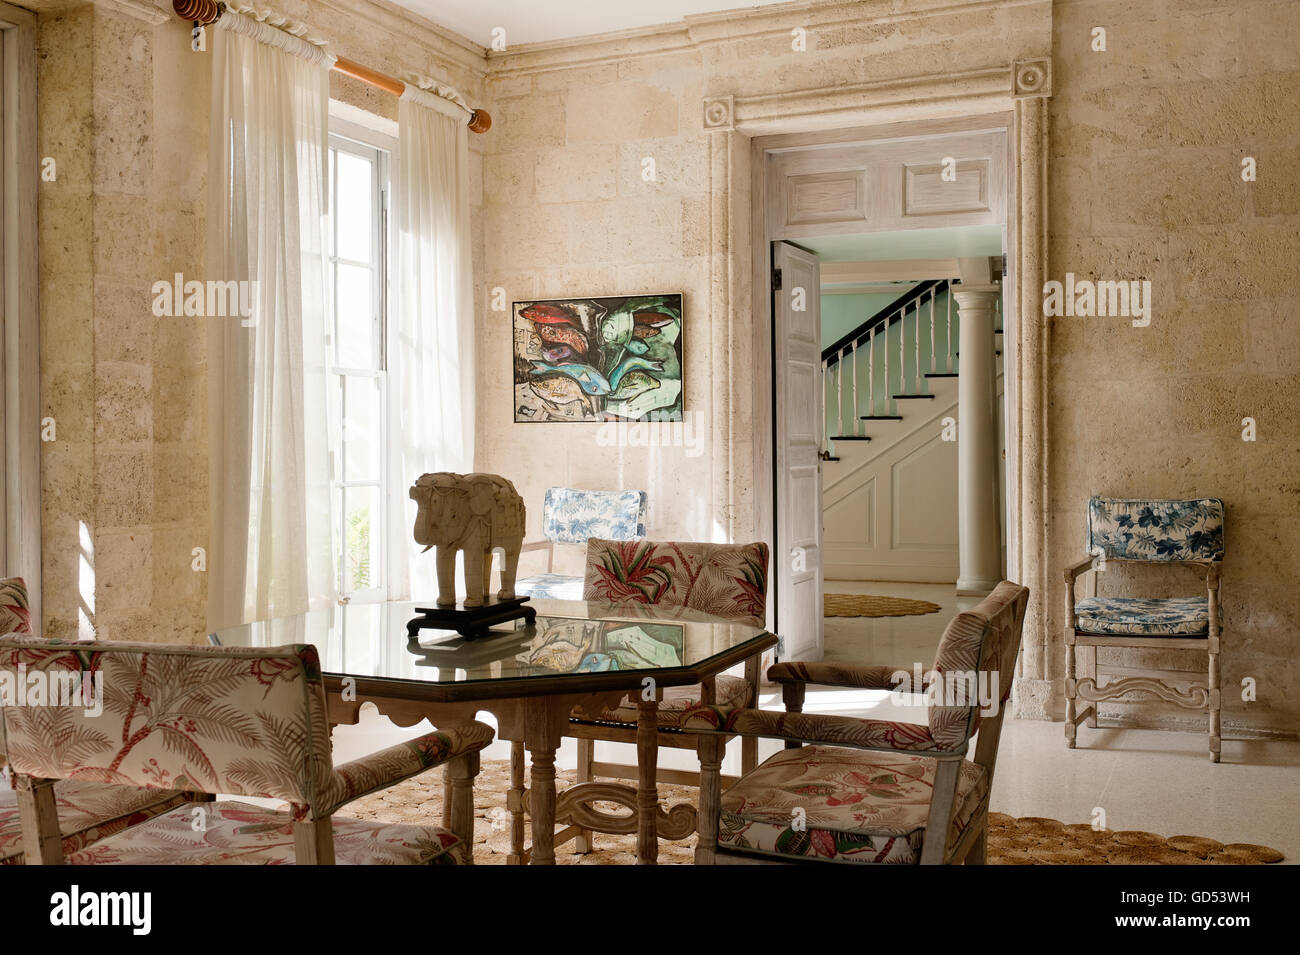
{"x": 595, "y": 643}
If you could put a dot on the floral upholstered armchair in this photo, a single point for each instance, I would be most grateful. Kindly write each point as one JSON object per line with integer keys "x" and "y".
{"x": 571, "y": 516}
{"x": 240, "y": 721}
{"x": 868, "y": 791}
{"x": 1177, "y": 532}
{"x": 722, "y": 580}
{"x": 86, "y": 811}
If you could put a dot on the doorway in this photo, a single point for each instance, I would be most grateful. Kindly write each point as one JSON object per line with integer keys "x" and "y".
{"x": 894, "y": 219}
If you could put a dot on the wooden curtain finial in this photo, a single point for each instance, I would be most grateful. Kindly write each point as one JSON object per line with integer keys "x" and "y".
{"x": 197, "y": 11}
{"x": 480, "y": 121}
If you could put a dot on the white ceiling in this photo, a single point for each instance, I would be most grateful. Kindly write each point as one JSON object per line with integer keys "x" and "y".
{"x": 531, "y": 21}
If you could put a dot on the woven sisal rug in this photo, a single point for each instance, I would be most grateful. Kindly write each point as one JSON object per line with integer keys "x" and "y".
{"x": 871, "y": 605}
{"x": 1025, "y": 841}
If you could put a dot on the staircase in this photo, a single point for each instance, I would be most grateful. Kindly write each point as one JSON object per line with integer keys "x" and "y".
{"x": 889, "y": 482}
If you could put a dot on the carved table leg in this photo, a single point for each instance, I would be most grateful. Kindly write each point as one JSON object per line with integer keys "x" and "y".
{"x": 647, "y": 794}
{"x": 710, "y": 749}
{"x": 542, "y": 739}
{"x": 515, "y": 804}
{"x": 460, "y": 773}
{"x": 586, "y": 755}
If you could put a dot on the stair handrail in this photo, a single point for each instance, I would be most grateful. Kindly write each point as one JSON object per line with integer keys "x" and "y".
{"x": 893, "y": 312}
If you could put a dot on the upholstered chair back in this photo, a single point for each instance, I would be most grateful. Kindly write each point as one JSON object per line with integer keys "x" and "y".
{"x": 724, "y": 580}
{"x": 15, "y": 617}
{"x": 1155, "y": 530}
{"x": 976, "y": 662}
{"x": 238, "y": 720}
{"x": 570, "y": 516}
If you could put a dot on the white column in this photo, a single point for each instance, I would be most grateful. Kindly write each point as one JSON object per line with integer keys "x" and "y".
{"x": 980, "y": 539}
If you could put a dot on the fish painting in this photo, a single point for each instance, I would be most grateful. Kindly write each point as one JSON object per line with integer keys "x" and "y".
{"x": 591, "y": 380}
{"x": 616, "y": 358}
{"x": 633, "y": 383}
{"x": 563, "y": 335}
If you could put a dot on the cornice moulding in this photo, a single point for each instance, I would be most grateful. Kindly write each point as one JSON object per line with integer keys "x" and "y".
{"x": 460, "y": 50}
{"x": 143, "y": 10}
{"x": 706, "y": 29}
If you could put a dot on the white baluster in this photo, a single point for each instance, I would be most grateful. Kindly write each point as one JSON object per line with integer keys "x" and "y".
{"x": 902, "y": 352}
{"x": 871, "y": 372}
{"x": 917, "y": 362}
{"x": 948, "y": 330}
{"x": 933, "y": 357}
{"x": 885, "y": 351}
{"x": 825, "y": 380}
{"x": 854, "y": 359}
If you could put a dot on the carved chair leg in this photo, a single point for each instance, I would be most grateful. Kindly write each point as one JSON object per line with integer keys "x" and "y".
{"x": 749, "y": 744}
{"x": 710, "y": 749}
{"x": 1092, "y": 672}
{"x": 977, "y": 854}
{"x": 586, "y": 756}
{"x": 792, "y": 695}
{"x": 934, "y": 851}
{"x": 1071, "y": 694}
{"x": 515, "y": 804}
{"x": 38, "y": 814}
{"x": 1215, "y": 702}
{"x": 314, "y": 841}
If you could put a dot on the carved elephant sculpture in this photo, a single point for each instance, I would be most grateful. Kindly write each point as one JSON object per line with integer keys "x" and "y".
{"x": 474, "y": 513}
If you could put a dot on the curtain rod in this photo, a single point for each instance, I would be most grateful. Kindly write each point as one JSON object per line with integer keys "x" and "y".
{"x": 208, "y": 12}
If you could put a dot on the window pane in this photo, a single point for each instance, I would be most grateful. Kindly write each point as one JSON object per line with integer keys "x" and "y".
{"x": 355, "y": 341}
{"x": 355, "y": 201}
{"x": 362, "y": 441}
{"x": 361, "y": 538}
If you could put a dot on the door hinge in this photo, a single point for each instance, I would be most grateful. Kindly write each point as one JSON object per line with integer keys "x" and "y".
{"x": 776, "y": 280}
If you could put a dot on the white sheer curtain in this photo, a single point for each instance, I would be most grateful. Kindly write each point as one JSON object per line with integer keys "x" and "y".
{"x": 272, "y": 549}
{"x": 431, "y": 336}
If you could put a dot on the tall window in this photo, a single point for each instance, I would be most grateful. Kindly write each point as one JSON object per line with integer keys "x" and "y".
{"x": 358, "y": 263}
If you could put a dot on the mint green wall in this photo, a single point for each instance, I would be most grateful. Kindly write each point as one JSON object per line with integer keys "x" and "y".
{"x": 843, "y": 313}
{"x": 841, "y": 375}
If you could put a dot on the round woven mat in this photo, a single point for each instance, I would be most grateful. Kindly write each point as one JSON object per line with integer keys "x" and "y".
{"x": 1025, "y": 841}
{"x": 871, "y": 605}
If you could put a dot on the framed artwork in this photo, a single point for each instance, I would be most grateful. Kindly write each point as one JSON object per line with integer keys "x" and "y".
{"x": 599, "y": 359}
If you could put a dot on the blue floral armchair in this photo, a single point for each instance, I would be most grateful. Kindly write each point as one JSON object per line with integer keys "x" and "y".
{"x": 1188, "y": 532}
{"x": 570, "y": 516}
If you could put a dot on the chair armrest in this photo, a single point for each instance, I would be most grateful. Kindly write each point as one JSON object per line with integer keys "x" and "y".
{"x": 878, "y": 735}
{"x": 1214, "y": 574}
{"x": 1079, "y": 567}
{"x": 834, "y": 674}
{"x": 377, "y": 771}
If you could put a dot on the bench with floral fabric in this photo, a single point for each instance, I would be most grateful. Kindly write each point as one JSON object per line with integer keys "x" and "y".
{"x": 571, "y": 516}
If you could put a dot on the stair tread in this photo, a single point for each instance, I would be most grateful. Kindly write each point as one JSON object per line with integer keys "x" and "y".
{"x": 957, "y": 354}
{"x": 914, "y": 396}
{"x": 830, "y": 459}
{"x": 880, "y": 417}
{"x": 849, "y": 437}
{"x": 942, "y": 374}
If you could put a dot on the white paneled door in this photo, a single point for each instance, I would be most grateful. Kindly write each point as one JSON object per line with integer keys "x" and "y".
{"x": 797, "y": 556}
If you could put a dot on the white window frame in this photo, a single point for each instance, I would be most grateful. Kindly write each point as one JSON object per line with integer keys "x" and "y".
{"x": 351, "y": 130}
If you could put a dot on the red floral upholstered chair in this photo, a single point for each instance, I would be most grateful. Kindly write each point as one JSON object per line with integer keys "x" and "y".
{"x": 87, "y": 811}
{"x": 723, "y": 580}
{"x": 236, "y": 720}
{"x": 869, "y": 791}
